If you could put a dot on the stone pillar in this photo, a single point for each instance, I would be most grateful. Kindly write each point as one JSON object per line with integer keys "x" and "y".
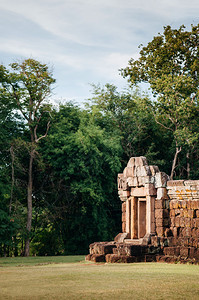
{"x": 128, "y": 215}
{"x": 150, "y": 214}
{"x": 134, "y": 221}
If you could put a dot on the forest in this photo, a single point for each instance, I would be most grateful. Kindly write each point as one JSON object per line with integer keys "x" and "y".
{"x": 59, "y": 165}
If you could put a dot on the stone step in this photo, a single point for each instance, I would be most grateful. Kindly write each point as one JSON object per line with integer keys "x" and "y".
{"x": 134, "y": 241}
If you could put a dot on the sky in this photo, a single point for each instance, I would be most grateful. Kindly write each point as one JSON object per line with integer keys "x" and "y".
{"x": 86, "y": 41}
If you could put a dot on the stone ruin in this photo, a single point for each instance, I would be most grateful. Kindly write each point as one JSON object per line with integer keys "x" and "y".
{"x": 160, "y": 218}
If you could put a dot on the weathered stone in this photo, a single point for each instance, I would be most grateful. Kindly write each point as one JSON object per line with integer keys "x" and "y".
{"x": 172, "y": 251}
{"x": 138, "y": 192}
{"x": 184, "y": 251}
{"x": 114, "y": 258}
{"x": 140, "y": 161}
{"x": 88, "y": 257}
{"x": 172, "y": 183}
{"x": 157, "y": 216}
{"x": 120, "y": 237}
{"x": 161, "y": 179}
{"x": 132, "y": 181}
{"x": 131, "y": 162}
{"x": 154, "y": 170}
{"x": 159, "y": 203}
{"x": 98, "y": 258}
{"x": 162, "y": 193}
{"x": 150, "y": 189}
{"x": 160, "y": 231}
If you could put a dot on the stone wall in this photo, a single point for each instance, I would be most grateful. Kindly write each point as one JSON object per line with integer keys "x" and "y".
{"x": 160, "y": 218}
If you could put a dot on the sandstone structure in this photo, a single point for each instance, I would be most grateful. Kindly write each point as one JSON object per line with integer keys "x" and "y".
{"x": 160, "y": 218}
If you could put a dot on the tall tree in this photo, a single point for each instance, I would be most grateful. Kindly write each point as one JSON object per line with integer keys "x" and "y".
{"x": 129, "y": 113}
{"x": 28, "y": 85}
{"x": 170, "y": 64}
{"x": 82, "y": 161}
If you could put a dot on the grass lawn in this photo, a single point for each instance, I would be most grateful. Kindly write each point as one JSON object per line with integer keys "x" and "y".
{"x": 68, "y": 278}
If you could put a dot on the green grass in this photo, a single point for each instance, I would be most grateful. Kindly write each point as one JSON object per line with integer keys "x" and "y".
{"x": 31, "y": 261}
{"x": 83, "y": 280}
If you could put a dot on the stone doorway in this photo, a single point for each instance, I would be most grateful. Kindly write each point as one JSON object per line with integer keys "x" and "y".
{"x": 136, "y": 217}
{"x": 141, "y": 217}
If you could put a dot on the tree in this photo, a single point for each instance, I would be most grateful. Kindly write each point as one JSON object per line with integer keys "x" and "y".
{"x": 169, "y": 63}
{"x": 82, "y": 161}
{"x": 129, "y": 113}
{"x": 28, "y": 85}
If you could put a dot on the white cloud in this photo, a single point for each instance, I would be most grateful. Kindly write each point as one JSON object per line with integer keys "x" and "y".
{"x": 86, "y": 40}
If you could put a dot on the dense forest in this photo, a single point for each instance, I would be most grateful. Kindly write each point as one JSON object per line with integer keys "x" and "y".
{"x": 59, "y": 165}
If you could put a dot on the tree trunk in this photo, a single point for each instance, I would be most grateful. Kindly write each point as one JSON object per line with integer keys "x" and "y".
{"x": 178, "y": 149}
{"x": 188, "y": 166}
{"x": 29, "y": 204}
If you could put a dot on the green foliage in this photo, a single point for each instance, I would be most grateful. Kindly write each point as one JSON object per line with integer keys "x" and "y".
{"x": 130, "y": 114}
{"x": 83, "y": 162}
{"x": 169, "y": 63}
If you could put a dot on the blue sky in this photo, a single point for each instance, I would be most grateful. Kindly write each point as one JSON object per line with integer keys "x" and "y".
{"x": 86, "y": 41}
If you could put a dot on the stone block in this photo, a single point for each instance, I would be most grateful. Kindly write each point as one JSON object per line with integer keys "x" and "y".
{"x": 141, "y": 180}
{"x": 195, "y": 242}
{"x": 114, "y": 258}
{"x": 159, "y": 203}
{"x": 182, "y": 222}
{"x": 177, "y": 221}
{"x": 184, "y": 204}
{"x": 187, "y": 222}
{"x": 124, "y": 217}
{"x": 128, "y": 172}
{"x": 172, "y": 183}
{"x": 122, "y": 183}
{"x": 177, "y": 212}
{"x": 123, "y": 226}
{"x": 149, "y": 258}
{"x": 196, "y": 254}
{"x": 191, "y": 182}
{"x": 159, "y": 223}
{"x": 140, "y": 161}
{"x": 120, "y": 238}
{"x": 123, "y": 207}
{"x": 145, "y": 171}
{"x": 196, "y": 204}
{"x": 149, "y": 179}
{"x": 154, "y": 170}
{"x": 162, "y": 193}
{"x": 168, "y": 232}
{"x": 192, "y": 252}
{"x": 125, "y": 194}
{"x": 162, "y": 222}
{"x": 184, "y": 251}
{"x": 131, "y": 162}
{"x": 172, "y": 251}
{"x": 132, "y": 181}
{"x": 98, "y": 258}
{"x": 138, "y": 192}
{"x": 159, "y": 213}
{"x": 197, "y": 223}
{"x": 161, "y": 179}
{"x": 172, "y": 219}
{"x": 155, "y": 241}
{"x": 160, "y": 231}
{"x": 88, "y": 257}
{"x": 172, "y": 213}
{"x": 150, "y": 189}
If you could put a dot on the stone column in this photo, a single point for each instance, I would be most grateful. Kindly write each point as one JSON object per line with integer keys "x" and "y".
{"x": 150, "y": 214}
{"x": 128, "y": 215}
{"x": 134, "y": 224}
